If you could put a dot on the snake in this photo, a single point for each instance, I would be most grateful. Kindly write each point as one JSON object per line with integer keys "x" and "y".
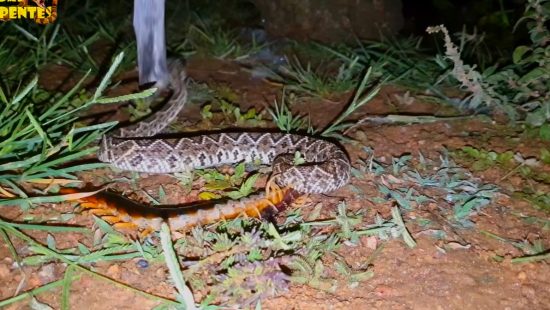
{"x": 140, "y": 147}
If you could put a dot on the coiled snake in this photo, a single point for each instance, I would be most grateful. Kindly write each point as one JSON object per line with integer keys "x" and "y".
{"x": 135, "y": 148}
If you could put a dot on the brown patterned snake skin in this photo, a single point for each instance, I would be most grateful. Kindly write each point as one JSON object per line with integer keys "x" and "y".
{"x": 134, "y": 148}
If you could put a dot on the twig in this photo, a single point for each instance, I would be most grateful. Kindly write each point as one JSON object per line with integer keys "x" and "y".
{"x": 529, "y": 259}
{"x": 409, "y": 119}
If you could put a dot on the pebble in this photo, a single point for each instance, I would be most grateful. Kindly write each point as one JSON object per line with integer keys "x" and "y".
{"x": 370, "y": 242}
{"x": 142, "y": 263}
{"x": 4, "y": 272}
{"x": 522, "y": 276}
{"x": 47, "y": 273}
{"x": 469, "y": 280}
{"x": 34, "y": 281}
{"x": 113, "y": 271}
{"x": 161, "y": 273}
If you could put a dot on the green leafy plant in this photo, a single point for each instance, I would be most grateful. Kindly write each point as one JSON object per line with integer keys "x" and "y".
{"x": 285, "y": 120}
{"x": 364, "y": 93}
{"x": 539, "y": 200}
{"x": 480, "y": 91}
{"x": 481, "y": 160}
{"x": 521, "y": 86}
{"x": 39, "y": 140}
{"x": 235, "y": 186}
{"x": 461, "y": 191}
{"x": 74, "y": 258}
{"x": 397, "y": 61}
{"x": 314, "y": 82}
{"x": 18, "y": 59}
{"x": 485, "y": 159}
{"x": 534, "y": 251}
{"x": 217, "y": 42}
{"x": 233, "y": 112}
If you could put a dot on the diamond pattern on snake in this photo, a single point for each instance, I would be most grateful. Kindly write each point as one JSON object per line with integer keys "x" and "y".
{"x": 135, "y": 148}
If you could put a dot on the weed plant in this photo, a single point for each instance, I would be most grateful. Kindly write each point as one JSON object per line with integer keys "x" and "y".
{"x": 399, "y": 61}
{"x": 217, "y": 42}
{"x": 316, "y": 82}
{"x": 40, "y": 137}
{"x": 520, "y": 89}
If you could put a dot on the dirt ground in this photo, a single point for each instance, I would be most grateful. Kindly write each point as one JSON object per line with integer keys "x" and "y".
{"x": 458, "y": 271}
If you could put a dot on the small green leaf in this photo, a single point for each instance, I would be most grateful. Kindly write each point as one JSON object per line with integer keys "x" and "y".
{"x": 298, "y": 159}
{"x": 246, "y": 187}
{"x": 235, "y": 195}
{"x": 104, "y": 226}
{"x": 208, "y": 196}
{"x": 519, "y": 52}
{"x": 545, "y": 156}
{"x": 38, "y": 128}
{"x": 471, "y": 151}
{"x": 218, "y": 185}
{"x": 162, "y": 194}
{"x": 535, "y": 119}
{"x": 141, "y": 95}
{"x": 239, "y": 171}
{"x": 544, "y": 132}
{"x": 250, "y": 114}
{"x": 362, "y": 276}
{"x": 107, "y": 78}
{"x": 533, "y": 75}
{"x": 206, "y": 113}
{"x": 50, "y": 242}
{"x": 83, "y": 249}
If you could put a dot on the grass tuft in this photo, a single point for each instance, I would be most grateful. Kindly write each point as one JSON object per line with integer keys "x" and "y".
{"x": 520, "y": 89}
{"x": 40, "y": 136}
{"x": 316, "y": 82}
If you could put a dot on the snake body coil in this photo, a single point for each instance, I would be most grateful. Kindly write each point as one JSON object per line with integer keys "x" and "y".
{"x": 134, "y": 148}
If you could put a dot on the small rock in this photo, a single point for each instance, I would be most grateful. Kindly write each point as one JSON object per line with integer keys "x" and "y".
{"x": 161, "y": 273}
{"x": 113, "y": 271}
{"x": 35, "y": 304}
{"x": 370, "y": 242}
{"x": 468, "y": 280}
{"x": 47, "y": 273}
{"x": 522, "y": 276}
{"x": 34, "y": 281}
{"x": 142, "y": 263}
{"x": 4, "y": 271}
{"x": 457, "y": 246}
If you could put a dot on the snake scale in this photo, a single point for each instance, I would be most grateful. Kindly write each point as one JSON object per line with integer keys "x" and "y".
{"x": 134, "y": 148}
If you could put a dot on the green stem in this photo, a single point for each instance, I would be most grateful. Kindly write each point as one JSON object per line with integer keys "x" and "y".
{"x": 529, "y": 259}
{"x": 62, "y": 258}
{"x": 32, "y": 292}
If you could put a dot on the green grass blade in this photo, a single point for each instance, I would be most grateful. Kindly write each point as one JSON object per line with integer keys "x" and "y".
{"x": 25, "y": 91}
{"x": 107, "y": 78}
{"x": 174, "y": 267}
